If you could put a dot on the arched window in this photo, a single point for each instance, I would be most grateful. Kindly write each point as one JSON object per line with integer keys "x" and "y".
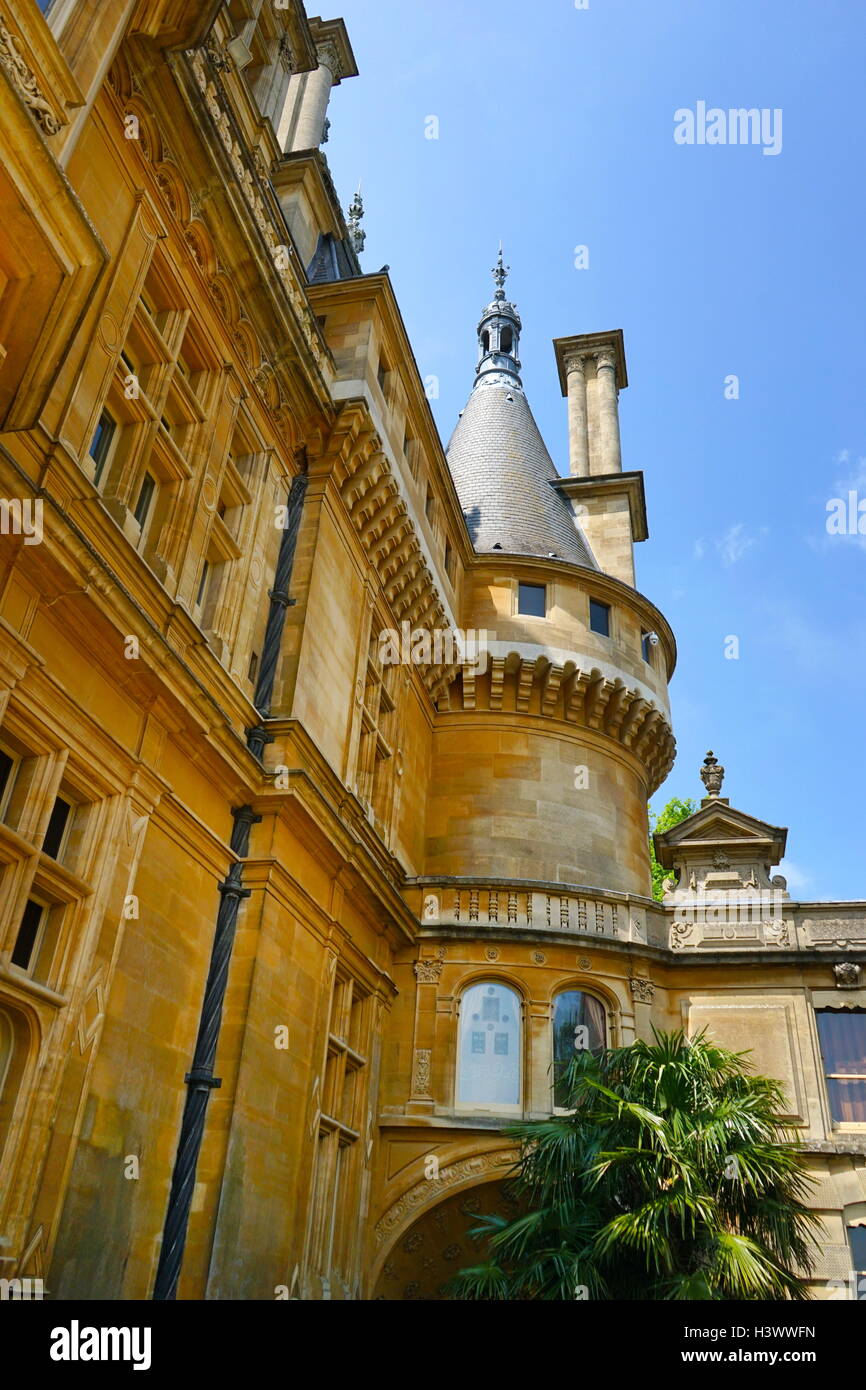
{"x": 505, "y": 340}
{"x": 578, "y": 1024}
{"x": 488, "y": 1071}
{"x": 485, "y": 341}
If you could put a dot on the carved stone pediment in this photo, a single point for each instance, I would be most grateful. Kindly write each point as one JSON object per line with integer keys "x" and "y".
{"x": 723, "y": 828}
{"x": 724, "y": 840}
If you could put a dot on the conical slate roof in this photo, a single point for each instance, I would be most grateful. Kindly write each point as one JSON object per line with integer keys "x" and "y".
{"x": 498, "y": 459}
{"x": 503, "y": 474}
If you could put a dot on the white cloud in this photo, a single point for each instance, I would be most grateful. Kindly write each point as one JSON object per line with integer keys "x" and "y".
{"x": 698, "y": 549}
{"x": 736, "y": 541}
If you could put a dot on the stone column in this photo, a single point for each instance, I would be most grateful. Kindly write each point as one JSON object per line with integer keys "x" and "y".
{"x": 608, "y": 457}
{"x": 578, "y": 439}
{"x": 314, "y": 102}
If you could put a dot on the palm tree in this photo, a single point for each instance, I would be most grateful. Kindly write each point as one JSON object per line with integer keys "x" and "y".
{"x": 672, "y": 1177}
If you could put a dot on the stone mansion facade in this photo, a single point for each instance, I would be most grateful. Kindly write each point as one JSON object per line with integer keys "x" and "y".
{"x": 290, "y": 928}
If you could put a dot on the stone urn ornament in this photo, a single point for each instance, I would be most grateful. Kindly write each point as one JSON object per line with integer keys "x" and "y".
{"x": 712, "y": 774}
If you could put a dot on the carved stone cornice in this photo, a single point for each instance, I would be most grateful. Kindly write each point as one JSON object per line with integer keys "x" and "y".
{"x": 333, "y": 49}
{"x": 569, "y": 693}
{"x": 380, "y": 517}
{"x": 607, "y": 349}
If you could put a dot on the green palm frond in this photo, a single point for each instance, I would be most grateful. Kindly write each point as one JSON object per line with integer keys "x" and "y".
{"x": 672, "y": 1176}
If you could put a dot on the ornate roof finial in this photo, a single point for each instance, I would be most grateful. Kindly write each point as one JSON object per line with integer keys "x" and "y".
{"x": 500, "y": 275}
{"x": 712, "y": 774}
{"x": 356, "y": 211}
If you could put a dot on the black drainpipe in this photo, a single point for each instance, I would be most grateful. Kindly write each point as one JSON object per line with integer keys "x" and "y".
{"x": 257, "y": 736}
{"x": 200, "y": 1079}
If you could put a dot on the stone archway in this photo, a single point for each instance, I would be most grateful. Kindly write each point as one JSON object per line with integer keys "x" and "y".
{"x": 437, "y": 1245}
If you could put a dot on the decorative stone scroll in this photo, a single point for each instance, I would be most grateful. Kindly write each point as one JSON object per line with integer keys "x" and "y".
{"x": 25, "y": 82}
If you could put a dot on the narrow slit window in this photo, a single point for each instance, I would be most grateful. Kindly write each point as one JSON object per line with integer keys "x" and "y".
{"x": 205, "y": 571}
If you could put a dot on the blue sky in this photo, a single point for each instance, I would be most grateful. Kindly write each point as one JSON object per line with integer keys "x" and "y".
{"x": 556, "y": 130}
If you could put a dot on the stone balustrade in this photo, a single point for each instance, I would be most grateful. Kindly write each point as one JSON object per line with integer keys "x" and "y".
{"x": 471, "y": 905}
{"x": 761, "y": 921}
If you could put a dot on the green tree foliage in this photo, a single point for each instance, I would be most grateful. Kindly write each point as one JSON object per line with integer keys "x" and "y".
{"x": 672, "y": 1178}
{"x": 670, "y": 814}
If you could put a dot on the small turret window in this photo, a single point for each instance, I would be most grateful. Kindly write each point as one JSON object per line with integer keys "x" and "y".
{"x": 505, "y": 340}
{"x": 532, "y": 600}
{"x": 599, "y": 617}
{"x": 485, "y": 341}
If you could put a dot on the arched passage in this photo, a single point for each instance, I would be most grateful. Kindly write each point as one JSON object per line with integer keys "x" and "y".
{"x": 437, "y": 1245}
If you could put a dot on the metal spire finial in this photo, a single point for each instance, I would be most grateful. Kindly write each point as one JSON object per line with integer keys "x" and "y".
{"x": 500, "y": 274}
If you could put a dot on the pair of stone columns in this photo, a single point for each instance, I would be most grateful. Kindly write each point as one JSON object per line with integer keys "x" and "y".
{"x": 602, "y": 431}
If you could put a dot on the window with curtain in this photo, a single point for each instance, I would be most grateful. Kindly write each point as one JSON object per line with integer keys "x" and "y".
{"x": 578, "y": 1024}
{"x": 489, "y": 1052}
{"x": 842, "y": 1035}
